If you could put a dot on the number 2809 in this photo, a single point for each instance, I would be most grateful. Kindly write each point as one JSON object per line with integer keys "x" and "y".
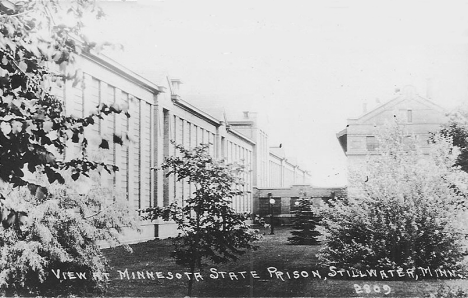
{"x": 384, "y": 289}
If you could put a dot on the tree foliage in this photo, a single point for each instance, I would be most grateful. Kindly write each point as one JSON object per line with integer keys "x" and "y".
{"x": 304, "y": 225}
{"x": 63, "y": 231}
{"x": 457, "y": 130}
{"x": 402, "y": 210}
{"x": 209, "y": 228}
{"x": 46, "y": 225}
{"x": 39, "y": 44}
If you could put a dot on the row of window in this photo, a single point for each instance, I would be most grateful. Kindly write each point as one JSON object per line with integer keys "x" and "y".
{"x": 372, "y": 143}
{"x": 291, "y": 177}
{"x": 134, "y": 161}
{"x": 263, "y": 151}
{"x": 186, "y": 133}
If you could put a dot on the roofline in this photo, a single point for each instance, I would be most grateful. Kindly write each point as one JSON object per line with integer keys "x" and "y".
{"x": 276, "y": 155}
{"x": 295, "y": 165}
{"x": 241, "y": 136}
{"x": 116, "y": 67}
{"x": 241, "y": 122}
{"x": 376, "y": 108}
{"x": 342, "y": 133}
{"x": 329, "y": 187}
{"x": 196, "y": 111}
{"x": 392, "y": 101}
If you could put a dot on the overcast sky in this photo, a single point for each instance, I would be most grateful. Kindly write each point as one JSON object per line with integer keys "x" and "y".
{"x": 307, "y": 65}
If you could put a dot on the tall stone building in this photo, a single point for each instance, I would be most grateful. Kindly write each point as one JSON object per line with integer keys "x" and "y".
{"x": 159, "y": 118}
{"x": 418, "y": 115}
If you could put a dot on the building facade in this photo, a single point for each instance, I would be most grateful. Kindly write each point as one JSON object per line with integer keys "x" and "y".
{"x": 184, "y": 124}
{"x": 284, "y": 172}
{"x": 105, "y": 81}
{"x": 418, "y": 115}
{"x": 274, "y": 172}
{"x": 159, "y": 119}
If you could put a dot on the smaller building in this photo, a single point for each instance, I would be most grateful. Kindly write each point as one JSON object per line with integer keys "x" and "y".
{"x": 285, "y": 200}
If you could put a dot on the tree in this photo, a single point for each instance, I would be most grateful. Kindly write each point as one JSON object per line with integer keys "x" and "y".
{"x": 209, "y": 228}
{"x": 39, "y": 46}
{"x": 401, "y": 210}
{"x": 304, "y": 224}
{"x": 457, "y": 130}
{"x": 46, "y": 223}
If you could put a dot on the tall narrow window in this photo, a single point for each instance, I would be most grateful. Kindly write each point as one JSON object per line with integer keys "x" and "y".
{"x": 223, "y": 146}
{"x": 409, "y": 116}
{"x": 166, "y": 136}
{"x": 371, "y": 143}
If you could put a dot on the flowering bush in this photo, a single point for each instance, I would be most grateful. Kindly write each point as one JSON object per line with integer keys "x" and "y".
{"x": 402, "y": 209}
{"x": 445, "y": 291}
{"x": 62, "y": 230}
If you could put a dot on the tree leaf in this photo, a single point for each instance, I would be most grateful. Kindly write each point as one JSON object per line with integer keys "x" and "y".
{"x": 23, "y": 66}
{"x": 104, "y": 144}
{"x": 7, "y": 4}
{"x": 75, "y": 138}
{"x": 117, "y": 139}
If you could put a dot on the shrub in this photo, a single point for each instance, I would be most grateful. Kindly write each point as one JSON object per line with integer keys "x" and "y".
{"x": 401, "y": 210}
{"x": 63, "y": 231}
{"x": 445, "y": 291}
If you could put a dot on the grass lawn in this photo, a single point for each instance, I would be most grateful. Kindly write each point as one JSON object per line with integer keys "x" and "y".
{"x": 153, "y": 256}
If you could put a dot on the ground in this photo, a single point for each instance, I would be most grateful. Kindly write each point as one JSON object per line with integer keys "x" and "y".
{"x": 153, "y": 256}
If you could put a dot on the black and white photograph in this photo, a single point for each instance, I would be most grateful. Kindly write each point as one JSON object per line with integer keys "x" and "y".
{"x": 220, "y": 148}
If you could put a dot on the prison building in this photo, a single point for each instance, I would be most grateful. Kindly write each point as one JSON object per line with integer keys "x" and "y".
{"x": 159, "y": 119}
{"x": 284, "y": 172}
{"x": 418, "y": 116}
{"x": 181, "y": 123}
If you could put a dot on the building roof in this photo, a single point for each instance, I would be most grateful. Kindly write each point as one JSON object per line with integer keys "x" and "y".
{"x": 278, "y": 152}
{"x": 118, "y": 68}
{"x": 408, "y": 93}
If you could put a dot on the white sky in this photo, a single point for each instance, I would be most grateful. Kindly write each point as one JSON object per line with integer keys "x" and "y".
{"x": 308, "y": 65}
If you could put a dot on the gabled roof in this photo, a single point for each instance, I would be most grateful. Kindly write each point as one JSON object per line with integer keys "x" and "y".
{"x": 407, "y": 93}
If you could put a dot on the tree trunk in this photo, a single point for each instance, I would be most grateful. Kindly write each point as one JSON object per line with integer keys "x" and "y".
{"x": 190, "y": 282}
{"x": 196, "y": 261}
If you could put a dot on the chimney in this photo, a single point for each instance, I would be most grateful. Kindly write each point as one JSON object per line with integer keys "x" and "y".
{"x": 364, "y": 107}
{"x": 246, "y": 114}
{"x": 175, "y": 86}
{"x": 429, "y": 88}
